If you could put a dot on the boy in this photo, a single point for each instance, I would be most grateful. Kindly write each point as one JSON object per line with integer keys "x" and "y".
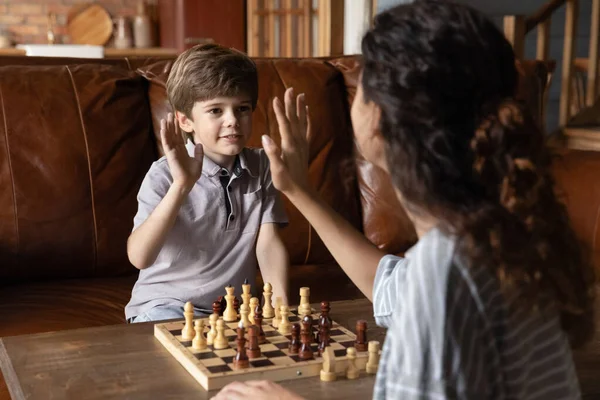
{"x": 208, "y": 211}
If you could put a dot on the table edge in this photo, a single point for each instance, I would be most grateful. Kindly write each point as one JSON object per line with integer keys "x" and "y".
{"x": 10, "y": 375}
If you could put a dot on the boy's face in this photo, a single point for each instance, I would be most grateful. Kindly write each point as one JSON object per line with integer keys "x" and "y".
{"x": 222, "y": 125}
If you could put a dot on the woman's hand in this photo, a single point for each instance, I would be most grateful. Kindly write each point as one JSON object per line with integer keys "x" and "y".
{"x": 289, "y": 165}
{"x": 263, "y": 390}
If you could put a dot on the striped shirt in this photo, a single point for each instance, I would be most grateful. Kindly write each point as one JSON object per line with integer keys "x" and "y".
{"x": 452, "y": 334}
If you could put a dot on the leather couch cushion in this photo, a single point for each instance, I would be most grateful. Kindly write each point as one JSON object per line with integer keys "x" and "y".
{"x": 75, "y": 144}
{"x": 384, "y": 220}
{"x": 331, "y": 169}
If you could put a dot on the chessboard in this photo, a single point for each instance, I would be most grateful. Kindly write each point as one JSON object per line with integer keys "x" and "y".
{"x": 214, "y": 369}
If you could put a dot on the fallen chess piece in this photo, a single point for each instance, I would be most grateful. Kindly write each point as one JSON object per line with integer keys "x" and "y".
{"x": 328, "y": 370}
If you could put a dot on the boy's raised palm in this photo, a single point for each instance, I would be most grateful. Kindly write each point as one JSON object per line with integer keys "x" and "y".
{"x": 289, "y": 165}
{"x": 185, "y": 170}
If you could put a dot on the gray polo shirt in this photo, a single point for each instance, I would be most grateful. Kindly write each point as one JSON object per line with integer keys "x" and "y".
{"x": 211, "y": 244}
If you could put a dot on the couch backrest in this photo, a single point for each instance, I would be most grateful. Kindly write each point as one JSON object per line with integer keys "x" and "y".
{"x": 75, "y": 143}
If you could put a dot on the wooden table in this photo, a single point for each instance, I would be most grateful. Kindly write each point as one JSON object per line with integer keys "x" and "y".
{"x": 126, "y": 361}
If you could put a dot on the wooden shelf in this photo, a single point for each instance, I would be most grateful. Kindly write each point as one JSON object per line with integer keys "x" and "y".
{"x": 111, "y": 52}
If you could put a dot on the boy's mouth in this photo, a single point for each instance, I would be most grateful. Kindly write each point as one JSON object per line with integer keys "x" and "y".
{"x": 232, "y": 138}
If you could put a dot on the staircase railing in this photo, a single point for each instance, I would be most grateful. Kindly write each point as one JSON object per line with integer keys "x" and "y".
{"x": 517, "y": 26}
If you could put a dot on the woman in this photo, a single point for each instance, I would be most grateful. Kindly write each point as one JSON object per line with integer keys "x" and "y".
{"x": 489, "y": 301}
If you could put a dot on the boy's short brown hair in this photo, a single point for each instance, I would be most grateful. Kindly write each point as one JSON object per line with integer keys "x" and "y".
{"x": 207, "y": 71}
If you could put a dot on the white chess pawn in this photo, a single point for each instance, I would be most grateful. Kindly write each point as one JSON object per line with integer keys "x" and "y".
{"x": 188, "y": 333}
{"x": 220, "y": 341}
{"x": 373, "y": 361}
{"x": 304, "y": 307}
{"x": 268, "y": 311}
{"x": 199, "y": 342}
{"x": 229, "y": 315}
{"x": 244, "y": 316}
{"x": 351, "y": 371}
{"x": 253, "y": 305}
{"x": 210, "y": 337}
{"x": 285, "y": 328}
{"x": 277, "y": 319}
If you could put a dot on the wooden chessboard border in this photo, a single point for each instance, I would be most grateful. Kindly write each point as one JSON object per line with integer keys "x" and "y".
{"x": 211, "y": 381}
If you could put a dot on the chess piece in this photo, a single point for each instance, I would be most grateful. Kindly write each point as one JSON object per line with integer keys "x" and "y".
{"x": 244, "y": 316}
{"x": 253, "y": 347}
{"x": 309, "y": 322}
{"x": 284, "y": 325}
{"x": 236, "y": 304}
{"x": 253, "y": 305}
{"x": 328, "y": 371}
{"x": 223, "y": 303}
{"x": 220, "y": 341}
{"x": 306, "y": 352}
{"x": 246, "y": 295}
{"x": 210, "y": 336}
{"x": 351, "y": 371}
{"x": 294, "y": 346}
{"x": 361, "y": 335}
{"x": 199, "y": 342}
{"x": 324, "y": 332}
{"x": 241, "y": 358}
{"x": 373, "y": 360}
{"x": 325, "y": 308}
{"x": 277, "y": 318}
{"x": 217, "y": 308}
{"x": 258, "y": 318}
{"x": 230, "y": 314}
{"x": 188, "y": 332}
{"x": 268, "y": 311}
{"x": 304, "y": 307}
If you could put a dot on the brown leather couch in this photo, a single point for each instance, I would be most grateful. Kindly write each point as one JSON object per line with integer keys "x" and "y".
{"x": 77, "y": 137}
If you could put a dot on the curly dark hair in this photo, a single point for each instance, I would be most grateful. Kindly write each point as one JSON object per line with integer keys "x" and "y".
{"x": 461, "y": 149}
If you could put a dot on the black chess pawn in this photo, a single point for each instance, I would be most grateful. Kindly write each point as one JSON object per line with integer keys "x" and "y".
{"x": 308, "y": 321}
{"x": 258, "y": 318}
{"x": 306, "y": 335}
{"x": 324, "y": 335}
{"x": 241, "y": 358}
{"x": 294, "y": 346}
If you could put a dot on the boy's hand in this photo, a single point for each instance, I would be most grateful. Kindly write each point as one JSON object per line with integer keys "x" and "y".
{"x": 185, "y": 170}
{"x": 289, "y": 165}
{"x": 264, "y": 390}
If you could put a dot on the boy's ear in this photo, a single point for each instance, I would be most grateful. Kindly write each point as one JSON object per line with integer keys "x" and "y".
{"x": 185, "y": 123}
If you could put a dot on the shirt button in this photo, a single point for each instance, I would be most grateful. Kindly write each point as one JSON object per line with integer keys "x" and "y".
{"x": 224, "y": 173}
{"x": 231, "y": 217}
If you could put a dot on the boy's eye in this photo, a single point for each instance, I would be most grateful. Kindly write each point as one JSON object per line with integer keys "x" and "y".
{"x": 215, "y": 111}
{"x": 244, "y": 108}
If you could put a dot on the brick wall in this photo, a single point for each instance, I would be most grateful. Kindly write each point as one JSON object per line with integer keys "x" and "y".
{"x": 27, "y": 20}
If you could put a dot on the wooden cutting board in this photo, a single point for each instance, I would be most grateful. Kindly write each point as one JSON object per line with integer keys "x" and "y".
{"x": 89, "y": 24}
